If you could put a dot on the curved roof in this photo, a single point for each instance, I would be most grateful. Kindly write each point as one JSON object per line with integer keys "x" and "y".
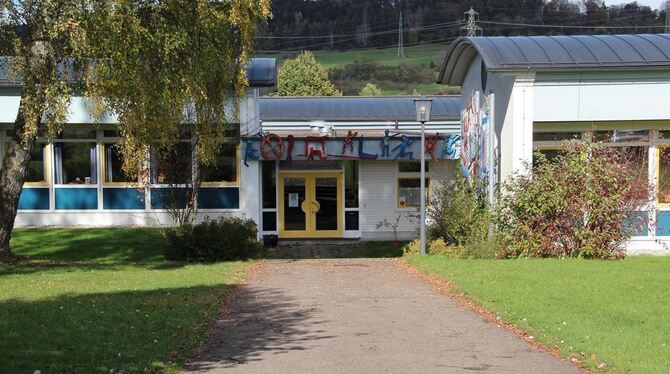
{"x": 352, "y": 108}
{"x": 557, "y": 53}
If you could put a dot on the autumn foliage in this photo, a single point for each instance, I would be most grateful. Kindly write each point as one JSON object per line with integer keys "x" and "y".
{"x": 585, "y": 203}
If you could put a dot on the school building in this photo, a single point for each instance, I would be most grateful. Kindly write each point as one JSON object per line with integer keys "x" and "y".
{"x": 338, "y": 167}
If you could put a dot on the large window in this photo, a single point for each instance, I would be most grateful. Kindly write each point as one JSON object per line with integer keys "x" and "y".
{"x": 174, "y": 165}
{"x": 269, "y": 184}
{"x": 225, "y": 167}
{"x": 75, "y": 157}
{"x": 351, "y": 184}
{"x": 113, "y": 165}
{"x": 36, "y": 172}
{"x": 664, "y": 174}
{"x": 409, "y": 184}
{"x": 409, "y": 192}
{"x": 37, "y": 169}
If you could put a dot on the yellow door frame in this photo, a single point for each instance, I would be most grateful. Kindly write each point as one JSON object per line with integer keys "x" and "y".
{"x": 310, "y": 206}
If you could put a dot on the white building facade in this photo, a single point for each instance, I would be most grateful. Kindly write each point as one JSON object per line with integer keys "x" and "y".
{"x": 532, "y": 93}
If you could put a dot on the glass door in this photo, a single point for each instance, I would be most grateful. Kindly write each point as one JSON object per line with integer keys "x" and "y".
{"x": 293, "y": 209}
{"x": 311, "y": 205}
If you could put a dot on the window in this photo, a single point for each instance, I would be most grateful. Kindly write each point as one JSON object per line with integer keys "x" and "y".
{"x": 269, "y": 184}
{"x": 75, "y": 163}
{"x": 551, "y": 154}
{"x": 351, "y": 184}
{"x": 113, "y": 165}
{"x": 664, "y": 175}
{"x": 620, "y": 136}
{"x": 36, "y": 170}
{"x": 409, "y": 192}
{"x": 411, "y": 166}
{"x": 173, "y": 166}
{"x": 224, "y": 168}
{"x": 555, "y": 136}
{"x": 36, "y": 173}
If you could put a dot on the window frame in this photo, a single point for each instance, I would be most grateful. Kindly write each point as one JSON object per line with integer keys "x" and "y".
{"x": 397, "y": 189}
{"x": 234, "y": 183}
{"x": 657, "y": 174}
{"x": 46, "y": 159}
{"x": 103, "y": 166}
{"x": 95, "y": 141}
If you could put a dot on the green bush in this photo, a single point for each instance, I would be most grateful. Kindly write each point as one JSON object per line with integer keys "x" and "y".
{"x": 584, "y": 203}
{"x": 223, "y": 239}
{"x": 459, "y": 216}
{"x": 439, "y": 247}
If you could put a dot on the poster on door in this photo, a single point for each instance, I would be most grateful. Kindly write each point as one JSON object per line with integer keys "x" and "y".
{"x": 293, "y": 200}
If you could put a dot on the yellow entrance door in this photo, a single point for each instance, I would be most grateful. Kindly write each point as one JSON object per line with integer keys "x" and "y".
{"x": 310, "y": 205}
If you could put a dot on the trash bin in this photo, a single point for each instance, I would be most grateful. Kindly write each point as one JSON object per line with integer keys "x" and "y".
{"x": 270, "y": 240}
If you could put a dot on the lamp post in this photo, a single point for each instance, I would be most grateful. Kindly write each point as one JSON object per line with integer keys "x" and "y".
{"x": 422, "y": 107}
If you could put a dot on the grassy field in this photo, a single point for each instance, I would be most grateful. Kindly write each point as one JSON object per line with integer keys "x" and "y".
{"x": 415, "y": 55}
{"x": 93, "y": 300}
{"x": 617, "y": 312}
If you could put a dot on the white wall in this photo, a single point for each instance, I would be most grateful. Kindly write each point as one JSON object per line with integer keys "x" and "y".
{"x": 602, "y": 96}
{"x": 378, "y": 197}
{"x": 95, "y": 218}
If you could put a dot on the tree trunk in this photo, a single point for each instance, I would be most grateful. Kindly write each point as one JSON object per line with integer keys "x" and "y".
{"x": 12, "y": 176}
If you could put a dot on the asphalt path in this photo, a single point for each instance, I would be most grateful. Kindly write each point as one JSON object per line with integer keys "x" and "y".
{"x": 357, "y": 316}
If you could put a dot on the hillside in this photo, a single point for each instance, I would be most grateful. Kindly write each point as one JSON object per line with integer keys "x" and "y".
{"x": 350, "y": 70}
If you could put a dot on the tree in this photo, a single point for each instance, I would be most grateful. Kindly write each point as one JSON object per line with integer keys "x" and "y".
{"x": 370, "y": 90}
{"x": 42, "y": 34}
{"x": 155, "y": 64}
{"x": 304, "y": 76}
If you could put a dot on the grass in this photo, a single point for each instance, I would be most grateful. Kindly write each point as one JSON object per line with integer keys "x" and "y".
{"x": 93, "y": 300}
{"x": 618, "y": 311}
{"x": 414, "y": 56}
{"x": 420, "y": 55}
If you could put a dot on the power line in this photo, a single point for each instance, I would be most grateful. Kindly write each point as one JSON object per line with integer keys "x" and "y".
{"x": 570, "y": 26}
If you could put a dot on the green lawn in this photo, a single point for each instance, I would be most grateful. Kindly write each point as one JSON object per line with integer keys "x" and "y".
{"x": 92, "y": 300}
{"x": 617, "y": 310}
{"x": 415, "y": 55}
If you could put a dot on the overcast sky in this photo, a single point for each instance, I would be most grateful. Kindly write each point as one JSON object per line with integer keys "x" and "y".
{"x": 654, "y": 4}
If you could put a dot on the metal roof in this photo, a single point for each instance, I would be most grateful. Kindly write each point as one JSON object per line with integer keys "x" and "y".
{"x": 352, "y": 108}
{"x": 261, "y": 72}
{"x": 557, "y": 53}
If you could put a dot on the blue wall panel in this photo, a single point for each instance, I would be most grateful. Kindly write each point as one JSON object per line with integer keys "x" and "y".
{"x": 34, "y": 199}
{"x": 663, "y": 223}
{"x": 122, "y": 198}
{"x": 76, "y": 198}
{"x": 219, "y": 198}
{"x": 641, "y": 222}
{"x": 161, "y": 198}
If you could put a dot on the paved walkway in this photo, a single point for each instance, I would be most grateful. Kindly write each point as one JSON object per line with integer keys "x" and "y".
{"x": 358, "y": 316}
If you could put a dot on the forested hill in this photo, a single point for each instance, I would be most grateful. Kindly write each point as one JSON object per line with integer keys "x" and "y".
{"x": 347, "y": 24}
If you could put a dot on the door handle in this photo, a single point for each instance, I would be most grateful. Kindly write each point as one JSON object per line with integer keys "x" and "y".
{"x": 304, "y": 207}
{"x": 316, "y": 205}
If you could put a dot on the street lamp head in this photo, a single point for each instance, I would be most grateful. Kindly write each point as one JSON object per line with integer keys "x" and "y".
{"x": 422, "y": 106}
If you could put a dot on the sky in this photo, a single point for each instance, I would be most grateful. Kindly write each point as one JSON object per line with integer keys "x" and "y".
{"x": 654, "y": 4}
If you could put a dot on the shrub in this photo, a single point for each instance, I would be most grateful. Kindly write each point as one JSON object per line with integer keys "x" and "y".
{"x": 411, "y": 248}
{"x": 582, "y": 204}
{"x": 459, "y": 217}
{"x": 439, "y": 247}
{"x": 223, "y": 239}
